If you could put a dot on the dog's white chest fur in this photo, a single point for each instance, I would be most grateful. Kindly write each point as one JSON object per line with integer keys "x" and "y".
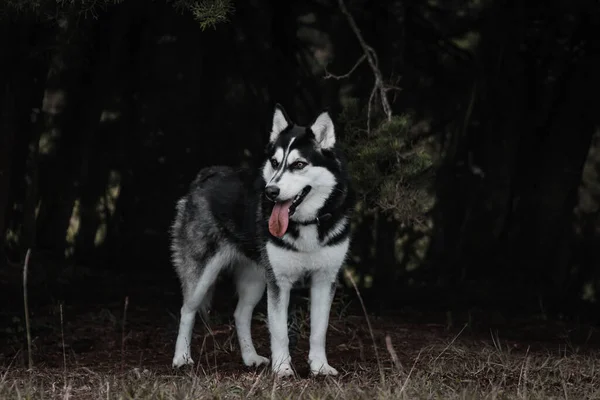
{"x": 311, "y": 255}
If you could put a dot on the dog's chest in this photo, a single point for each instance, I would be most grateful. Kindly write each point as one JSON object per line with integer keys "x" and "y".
{"x": 307, "y": 239}
{"x": 311, "y": 255}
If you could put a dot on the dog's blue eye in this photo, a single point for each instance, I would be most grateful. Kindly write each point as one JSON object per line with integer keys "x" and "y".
{"x": 274, "y": 163}
{"x": 298, "y": 165}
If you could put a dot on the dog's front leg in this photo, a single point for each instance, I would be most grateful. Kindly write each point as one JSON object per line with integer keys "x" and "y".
{"x": 322, "y": 291}
{"x": 278, "y": 300}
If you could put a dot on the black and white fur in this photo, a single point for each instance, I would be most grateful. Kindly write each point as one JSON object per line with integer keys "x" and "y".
{"x": 223, "y": 221}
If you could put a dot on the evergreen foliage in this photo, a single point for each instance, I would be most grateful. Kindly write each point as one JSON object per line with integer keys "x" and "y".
{"x": 208, "y": 13}
{"x": 392, "y": 167}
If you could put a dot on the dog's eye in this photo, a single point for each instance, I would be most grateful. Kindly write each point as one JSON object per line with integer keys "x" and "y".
{"x": 274, "y": 163}
{"x": 298, "y": 165}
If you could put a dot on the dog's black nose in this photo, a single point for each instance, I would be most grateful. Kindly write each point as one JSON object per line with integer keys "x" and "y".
{"x": 272, "y": 192}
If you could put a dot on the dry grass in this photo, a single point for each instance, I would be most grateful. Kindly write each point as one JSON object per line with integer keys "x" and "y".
{"x": 117, "y": 351}
{"x": 452, "y": 370}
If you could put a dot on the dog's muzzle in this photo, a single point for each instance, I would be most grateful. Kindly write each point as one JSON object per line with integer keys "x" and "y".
{"x": 271, "y": 192}
{"x": 298, "y": 199}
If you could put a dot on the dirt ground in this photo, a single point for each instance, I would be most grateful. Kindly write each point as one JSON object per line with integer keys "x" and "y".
{"x": 101, "y": 348}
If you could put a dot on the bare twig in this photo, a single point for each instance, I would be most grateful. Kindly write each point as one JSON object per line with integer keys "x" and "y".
{"x": 564, "y": 385}
{"x": 392, "y": 351}
{"x": 329, "y": 75}
{"x": 371, "y": 98}
{"x": 26, "y": 306}
{"x": 372, "y": 60}
{"x": 123, "y": 333}
{"x": 389, "y": 88}
{"x": 62, "y": 335}
{"x": 273, "y": 388}
{"x": 523, "y": 376}
{"x": 410, "y": 372}
{"x": 362, "y": 304}
{"x": 451, "y": 343}
{"x": 256, "y": 382}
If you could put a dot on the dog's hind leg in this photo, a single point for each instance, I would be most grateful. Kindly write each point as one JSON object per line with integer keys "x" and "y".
{"x": 250, "y": 282}
{"x": 193, "y": 300}
{"x": 204, "y": 309}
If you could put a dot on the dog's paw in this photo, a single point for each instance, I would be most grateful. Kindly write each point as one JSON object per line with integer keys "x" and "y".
{"x": 283, "y": 371}
{"x": 182, "y": 359}
{"x": 321, "y": 367}
{"x": 254, "y": 360}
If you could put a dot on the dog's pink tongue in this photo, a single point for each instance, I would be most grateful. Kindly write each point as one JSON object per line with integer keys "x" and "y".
{"x": 278, "y": 223}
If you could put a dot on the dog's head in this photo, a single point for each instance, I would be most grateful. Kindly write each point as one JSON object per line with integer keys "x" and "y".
{"x": 301, "y": 171}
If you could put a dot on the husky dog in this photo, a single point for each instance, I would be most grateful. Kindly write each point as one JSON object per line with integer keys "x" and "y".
{"x": 289, "y": 220}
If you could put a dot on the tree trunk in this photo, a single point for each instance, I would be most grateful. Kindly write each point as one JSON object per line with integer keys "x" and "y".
{"x": 548, "y": 199}
{"x": 100, "y": 129}
{"x": 7, "y": 126}
{"x": 22, "y": 126}
{"x": 61, "y": 113}
{"x": 385, "y": 262}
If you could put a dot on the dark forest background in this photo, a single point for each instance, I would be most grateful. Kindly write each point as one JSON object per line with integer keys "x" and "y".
{"x": 478, "y": 186}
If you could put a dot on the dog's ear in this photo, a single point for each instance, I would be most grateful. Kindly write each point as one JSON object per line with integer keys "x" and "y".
{"x": 280, "y": 122}
{"x": 324, "y": 131}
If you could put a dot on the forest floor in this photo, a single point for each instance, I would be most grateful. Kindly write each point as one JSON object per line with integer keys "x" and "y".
{"x": 102, "y": 350}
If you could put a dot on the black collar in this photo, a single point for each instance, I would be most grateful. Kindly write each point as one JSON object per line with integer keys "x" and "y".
{"x": 317, "y": 221}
